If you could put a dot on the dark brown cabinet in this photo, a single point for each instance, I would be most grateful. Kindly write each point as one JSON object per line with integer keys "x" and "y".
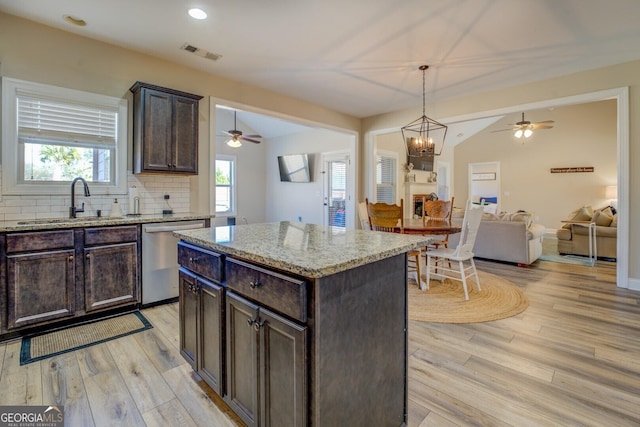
{"x": 40, "y": 277}
{"x": 110, "y": 267}
{"x": 165, "y": 130}
{"x": 201, "y": 314}
{"x": 61, "y": 274}
{"x": 266, "y": 365}
{"x": 202, "y": 305}
{"x": 188, "y": 304}
{"x": 302, "y": 350}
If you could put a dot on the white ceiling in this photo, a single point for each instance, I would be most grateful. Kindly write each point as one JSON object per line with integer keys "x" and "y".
{"x": 360, "y": 57}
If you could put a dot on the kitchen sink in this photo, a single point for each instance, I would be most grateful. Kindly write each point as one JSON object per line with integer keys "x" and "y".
{"x": 65, "y": 220}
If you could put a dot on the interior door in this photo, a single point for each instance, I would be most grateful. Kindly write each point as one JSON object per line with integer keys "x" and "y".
{"x": 337, "y": 197}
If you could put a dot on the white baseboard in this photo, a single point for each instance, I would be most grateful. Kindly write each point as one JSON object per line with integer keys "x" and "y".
{"x": 634, "y": 284}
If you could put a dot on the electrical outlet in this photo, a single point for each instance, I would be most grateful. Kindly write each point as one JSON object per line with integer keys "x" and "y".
{"x": 166, "y": 197}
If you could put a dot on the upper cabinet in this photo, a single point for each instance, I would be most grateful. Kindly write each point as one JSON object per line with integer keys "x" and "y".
{"x": 165, "y": 130}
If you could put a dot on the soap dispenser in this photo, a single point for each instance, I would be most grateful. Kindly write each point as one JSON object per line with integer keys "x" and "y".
{"x": 115, "y": 209}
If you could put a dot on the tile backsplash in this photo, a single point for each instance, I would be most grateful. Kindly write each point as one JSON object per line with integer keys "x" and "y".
{"x": 151, "y": 189}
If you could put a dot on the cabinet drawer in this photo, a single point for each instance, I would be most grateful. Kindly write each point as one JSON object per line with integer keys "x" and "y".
{"x": 109, "y": 235}
{"x": 201, "y": 261}
{"x": 277, "y": 291}
{"x": 41, "y": 240}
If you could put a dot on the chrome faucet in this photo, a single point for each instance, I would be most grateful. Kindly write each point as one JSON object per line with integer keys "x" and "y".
{"x": 73, "y": 210}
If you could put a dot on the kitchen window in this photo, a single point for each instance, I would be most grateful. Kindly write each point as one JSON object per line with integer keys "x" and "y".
{"x": 225, "y": 185}
{"x": 52, "y": 135}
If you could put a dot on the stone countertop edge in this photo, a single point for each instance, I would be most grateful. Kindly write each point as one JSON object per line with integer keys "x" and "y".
{"x": 62, "y": 223}
{"x": 312, "y": 251}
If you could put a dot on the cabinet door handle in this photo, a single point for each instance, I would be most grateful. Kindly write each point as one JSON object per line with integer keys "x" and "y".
{"x": 193, "y": 260}
{"x": 257, "y": 325}
{"x": 70, "y": 257}
{"x": 255, "y": 284}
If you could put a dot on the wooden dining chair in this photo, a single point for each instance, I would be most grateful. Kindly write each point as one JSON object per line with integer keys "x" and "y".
{"x": 461, "y": 257}
{"x": 439, "y": 210}
{"x": 390, "y": 219}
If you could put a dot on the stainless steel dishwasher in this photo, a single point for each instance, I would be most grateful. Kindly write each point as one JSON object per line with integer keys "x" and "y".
{"x": 160, "y": 259}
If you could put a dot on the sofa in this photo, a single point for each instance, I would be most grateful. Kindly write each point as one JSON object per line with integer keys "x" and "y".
{"x": 573, "y": 239}
{"x": 507, "y": 237}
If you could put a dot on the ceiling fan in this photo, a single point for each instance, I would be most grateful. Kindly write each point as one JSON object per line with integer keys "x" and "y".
{"x": 237, "y": 137}
{"x": 524, "y": 128}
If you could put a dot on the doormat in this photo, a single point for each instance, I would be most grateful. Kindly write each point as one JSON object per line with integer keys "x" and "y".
{"x": 48, "y": 344}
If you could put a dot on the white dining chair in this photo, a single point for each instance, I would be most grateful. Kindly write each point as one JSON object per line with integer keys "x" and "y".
{"x": 457, "y": 264}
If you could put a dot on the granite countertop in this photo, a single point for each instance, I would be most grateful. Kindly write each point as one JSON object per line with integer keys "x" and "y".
{"x": 93, "y": 221}
{"x": 308, "y": 250}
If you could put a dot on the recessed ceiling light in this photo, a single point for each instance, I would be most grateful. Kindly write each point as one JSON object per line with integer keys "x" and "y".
{"x": 75, "y": 21}
{"x": 197, "y": 13}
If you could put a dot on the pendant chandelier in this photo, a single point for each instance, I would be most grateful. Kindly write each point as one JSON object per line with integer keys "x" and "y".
{"x": 424, "y": 137}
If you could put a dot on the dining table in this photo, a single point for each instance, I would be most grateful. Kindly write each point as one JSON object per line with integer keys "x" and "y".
{"x": 431, "y": 226}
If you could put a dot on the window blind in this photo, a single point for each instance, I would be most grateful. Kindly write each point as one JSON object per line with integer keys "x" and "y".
{"x": 49, "y": 121}
{"x": 385, "y": 179}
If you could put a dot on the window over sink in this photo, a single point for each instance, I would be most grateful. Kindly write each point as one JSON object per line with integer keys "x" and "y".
{"x": 52, "y": 135}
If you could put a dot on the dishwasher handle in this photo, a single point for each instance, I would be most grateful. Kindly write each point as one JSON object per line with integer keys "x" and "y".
{"x": 172, "y": 227}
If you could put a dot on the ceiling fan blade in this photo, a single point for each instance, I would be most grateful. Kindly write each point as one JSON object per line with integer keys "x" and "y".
{"x": 502, "y": 130}
{"x": 253, "y": 136}
{"x": 249, "y": 139}
{"x": 544, "y": 122}
{"x": 224, "y": 133}
{"x": 536, "y": 127}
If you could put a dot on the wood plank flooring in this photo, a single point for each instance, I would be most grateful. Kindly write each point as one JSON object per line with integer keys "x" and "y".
{"x": 572, "y": 358}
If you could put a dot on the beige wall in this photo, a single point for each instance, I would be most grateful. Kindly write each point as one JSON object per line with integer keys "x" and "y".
{"x": 38, "y": 53}
{"x": 583, "y": 135}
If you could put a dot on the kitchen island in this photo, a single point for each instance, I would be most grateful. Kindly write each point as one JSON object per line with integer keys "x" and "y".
{"x": 298, "y": 324}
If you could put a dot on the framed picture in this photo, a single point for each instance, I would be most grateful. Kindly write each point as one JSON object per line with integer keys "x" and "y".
{"x": 484, "y": 176}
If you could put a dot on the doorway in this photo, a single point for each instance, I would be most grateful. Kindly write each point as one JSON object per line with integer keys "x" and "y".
{"x": 337, "y": 199}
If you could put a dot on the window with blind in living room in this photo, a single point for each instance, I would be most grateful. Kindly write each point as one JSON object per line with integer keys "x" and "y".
{"x": 386, "y": 179}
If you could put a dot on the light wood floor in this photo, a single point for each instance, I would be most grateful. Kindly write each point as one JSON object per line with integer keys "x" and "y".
{"x": 572, "y": 358}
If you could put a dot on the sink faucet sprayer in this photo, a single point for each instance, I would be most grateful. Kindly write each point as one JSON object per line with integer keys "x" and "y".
{"x": 73, "y": 210}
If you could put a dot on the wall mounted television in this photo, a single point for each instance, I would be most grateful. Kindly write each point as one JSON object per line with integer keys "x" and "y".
{"x": 294, "y": 168}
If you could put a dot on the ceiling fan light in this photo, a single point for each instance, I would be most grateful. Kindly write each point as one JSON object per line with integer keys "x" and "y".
{"x": 234, "y": 143}
{"x": 528, "y": 133}
{"x": 518, "y": 133}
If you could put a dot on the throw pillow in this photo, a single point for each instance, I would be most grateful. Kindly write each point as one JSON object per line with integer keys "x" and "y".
{"x": 489, "y": 217}
{"x": 603, "y": 218}
{"x": 614, "y": 221}
{"x": 585, "y": 213}
{"x": 525, "y": 217}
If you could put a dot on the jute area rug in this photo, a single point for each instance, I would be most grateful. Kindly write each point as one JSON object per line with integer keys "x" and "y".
{"x": 41, "y": 346}
{"x": 444, "y": 301}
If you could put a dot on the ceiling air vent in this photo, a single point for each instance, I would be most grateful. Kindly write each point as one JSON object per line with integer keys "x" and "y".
{"x": 200, "y": 52}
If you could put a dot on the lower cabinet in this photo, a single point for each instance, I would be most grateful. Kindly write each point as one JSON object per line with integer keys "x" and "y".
{"x": 201, "y": 323}
{"x": 41, "y": 277}
{"x": 61, "y": 274}
{"x": 266, "y": 365}
{"x": 41, "y": 287}
{"x": 110, "y": 276}
{"x": 253, "y": 357}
